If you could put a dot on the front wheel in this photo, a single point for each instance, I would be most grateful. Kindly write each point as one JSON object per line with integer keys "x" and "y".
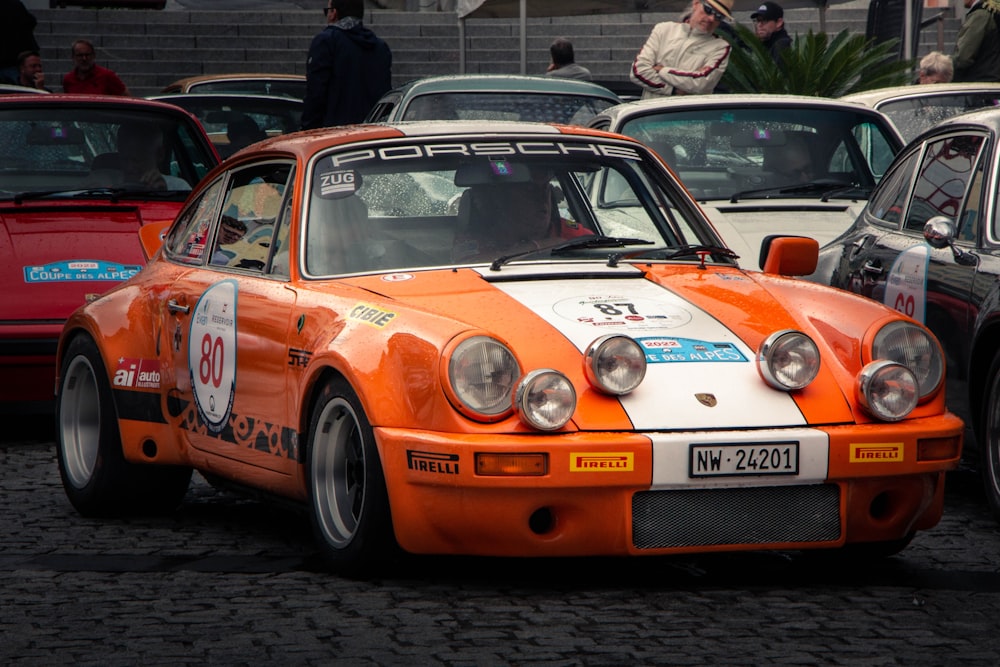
{"x": 989, "y": 438}
{"x": 96, "y": 477}
{"x": 347, "y": 490}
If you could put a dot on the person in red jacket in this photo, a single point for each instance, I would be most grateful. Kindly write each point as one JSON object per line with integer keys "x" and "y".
{"x": 89, "y": 78}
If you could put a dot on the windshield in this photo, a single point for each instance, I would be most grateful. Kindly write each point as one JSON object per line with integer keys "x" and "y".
{"x": 66, "y": 149}
{"x": 439, "y": 204}
{"x": 541, "y": 107}
{"x": 912, "y": 116}
{"x": 726, "y": 153}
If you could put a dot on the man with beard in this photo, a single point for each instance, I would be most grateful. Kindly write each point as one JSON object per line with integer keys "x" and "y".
{"x": 685, "y": 58}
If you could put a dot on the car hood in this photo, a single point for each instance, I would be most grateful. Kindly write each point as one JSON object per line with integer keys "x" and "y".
{"x": 700, "y": 328}
{"x": 54, "y": 257}
{"x": 745, "y": 224}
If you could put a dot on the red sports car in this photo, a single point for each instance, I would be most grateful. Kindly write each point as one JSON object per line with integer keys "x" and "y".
{"x": 85, "y": 183}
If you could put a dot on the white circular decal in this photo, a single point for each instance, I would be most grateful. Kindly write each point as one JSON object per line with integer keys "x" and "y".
{"x": 397, "y": 277}
{"x": 906, "y": 284}
{"x": 622, "y": 311}
{"x": 212, "y": 353}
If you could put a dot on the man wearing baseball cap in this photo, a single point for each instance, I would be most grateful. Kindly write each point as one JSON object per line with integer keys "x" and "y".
{"x": 769, "y": 24}
{"x": 684, "y": 58}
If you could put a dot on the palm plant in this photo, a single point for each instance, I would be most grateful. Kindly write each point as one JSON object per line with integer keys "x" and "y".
{"x": 814, "y": 65}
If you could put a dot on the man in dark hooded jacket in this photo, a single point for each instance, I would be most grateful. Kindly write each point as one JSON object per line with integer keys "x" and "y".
{"x": 349, "y": 68}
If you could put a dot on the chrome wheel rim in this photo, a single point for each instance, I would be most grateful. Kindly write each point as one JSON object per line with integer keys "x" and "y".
{"x": 79, "y": 421}
{"x": 338, "y": 472}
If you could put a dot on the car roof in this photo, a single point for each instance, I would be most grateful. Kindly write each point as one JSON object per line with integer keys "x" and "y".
{"x": 305, "y": 143}
{"x": 485, "y": 83}
{"x": 874, "y": 98}
{"x": 14, "y": 89}
{"x": 687, "y": 102}
{"x": 185, "y": 83}
{"x": 180, "y": 99}
{"x": 65, "y": 99}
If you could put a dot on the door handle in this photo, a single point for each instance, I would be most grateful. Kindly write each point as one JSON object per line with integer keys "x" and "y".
{"x": 175, "y": 307}
{"x": 872, "y": 268}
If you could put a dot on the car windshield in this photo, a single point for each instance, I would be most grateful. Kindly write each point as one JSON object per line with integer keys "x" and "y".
{"x": 738, "y": 153}
{"x": 63, "y": 150}
{"x": 443, "y": 203}
{"x": 911, "y": 116}
{"x": 544, "y": 107}
{"x": 234, "y": 121}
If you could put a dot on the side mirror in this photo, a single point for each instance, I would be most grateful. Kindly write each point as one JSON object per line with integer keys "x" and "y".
{"x": 939, "y": 232}
{"x": 789, "y": 255}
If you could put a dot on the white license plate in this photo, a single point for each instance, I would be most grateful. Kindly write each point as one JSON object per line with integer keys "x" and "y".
{"x": 719, "y": 460}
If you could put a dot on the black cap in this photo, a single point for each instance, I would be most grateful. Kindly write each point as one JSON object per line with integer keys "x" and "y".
{"x": 768, "y": 11}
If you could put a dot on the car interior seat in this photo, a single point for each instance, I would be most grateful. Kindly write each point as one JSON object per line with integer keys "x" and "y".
{"x": 335, "y": 225}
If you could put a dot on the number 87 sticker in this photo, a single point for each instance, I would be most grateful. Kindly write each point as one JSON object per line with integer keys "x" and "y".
{"x": 212, "y": 354}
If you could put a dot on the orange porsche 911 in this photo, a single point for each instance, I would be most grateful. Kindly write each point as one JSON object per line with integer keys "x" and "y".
{"x": 499, "y": 339}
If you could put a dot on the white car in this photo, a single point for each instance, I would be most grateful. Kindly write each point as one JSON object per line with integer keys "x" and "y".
{"x": 765, "y": 164}
{"x": 913, "y": 109}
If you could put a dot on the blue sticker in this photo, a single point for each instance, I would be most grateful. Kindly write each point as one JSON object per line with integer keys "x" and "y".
{"x": 662, "y": 350}
{"x": 76, "y": 270}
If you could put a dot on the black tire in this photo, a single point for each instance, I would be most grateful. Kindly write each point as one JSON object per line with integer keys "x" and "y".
{"x": 96, "y": 477}
{"x": 988, "y": 438}
{"x": 347, "y": 493}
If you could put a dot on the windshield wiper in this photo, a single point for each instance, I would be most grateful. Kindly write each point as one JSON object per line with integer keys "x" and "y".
{"x": 827, "y": 188}
{"x": 112, "y": 194}
{"x": 701, "y": 251}
{"x": 579, "y": 243}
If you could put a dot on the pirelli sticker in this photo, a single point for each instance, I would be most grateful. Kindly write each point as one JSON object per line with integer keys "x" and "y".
{"x": 601, "y": 462}
{"x": 883, "y": 452}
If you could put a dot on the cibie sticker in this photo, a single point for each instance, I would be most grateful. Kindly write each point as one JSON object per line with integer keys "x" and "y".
{"x": 337, "y": 183}
{"x": 906, "y": 285}
{"x": 212, "y": 354}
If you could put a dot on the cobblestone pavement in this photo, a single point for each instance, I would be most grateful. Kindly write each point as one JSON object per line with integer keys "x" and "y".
{"x": 231, "y": 581}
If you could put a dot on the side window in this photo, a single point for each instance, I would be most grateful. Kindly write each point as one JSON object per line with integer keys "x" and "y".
{"x": 889, "y": 198}
{"x": 943, "y": 180}
{"x": 876, "y": 148}
{"x": 249, "y": 212}
{"x": 187, "y": 239}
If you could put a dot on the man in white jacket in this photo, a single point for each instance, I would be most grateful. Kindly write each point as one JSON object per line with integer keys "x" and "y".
{"x": 685, "y": 58}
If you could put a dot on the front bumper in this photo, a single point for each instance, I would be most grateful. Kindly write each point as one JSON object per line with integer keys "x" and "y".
{"x": 632, "y": 493}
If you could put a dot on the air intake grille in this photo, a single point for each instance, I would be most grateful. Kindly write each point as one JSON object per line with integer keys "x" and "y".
{"x": 757, "y": 515}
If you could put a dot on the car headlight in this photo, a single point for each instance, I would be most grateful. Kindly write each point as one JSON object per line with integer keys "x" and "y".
{"x": 788, "y": 360}
{"x": 545, "y": 399}
{"x": 615, "y": 364}
{"x": 912, "y": 346}
{"x": 481, "y": 373}
{"x": 887, "y": 390}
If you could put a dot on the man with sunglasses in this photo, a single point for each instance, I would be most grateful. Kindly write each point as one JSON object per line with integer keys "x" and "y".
{"x": 685, "y": 58}
{"x": 348, "y": 69}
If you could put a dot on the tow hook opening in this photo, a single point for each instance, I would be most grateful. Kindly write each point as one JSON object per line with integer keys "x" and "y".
{"x": 542, "y": 521}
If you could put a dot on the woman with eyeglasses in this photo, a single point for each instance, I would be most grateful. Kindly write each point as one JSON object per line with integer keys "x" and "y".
{"x": 685, "y": 58}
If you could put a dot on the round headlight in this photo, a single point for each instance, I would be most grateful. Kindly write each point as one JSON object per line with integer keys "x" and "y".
{"x": 482, "y": 372}
{"x": 887, "y": 390}
{"x": 615, "y": 364}
{"x": 545, "y": 399}
{"x": 788, "y": 360}
{"x": 912, "y": 346}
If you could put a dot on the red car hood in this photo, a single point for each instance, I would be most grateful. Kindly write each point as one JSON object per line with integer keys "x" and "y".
{"x": 53, "y": 256}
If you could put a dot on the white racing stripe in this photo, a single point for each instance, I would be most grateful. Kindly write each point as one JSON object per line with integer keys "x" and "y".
{"x": 695, "y": 360}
